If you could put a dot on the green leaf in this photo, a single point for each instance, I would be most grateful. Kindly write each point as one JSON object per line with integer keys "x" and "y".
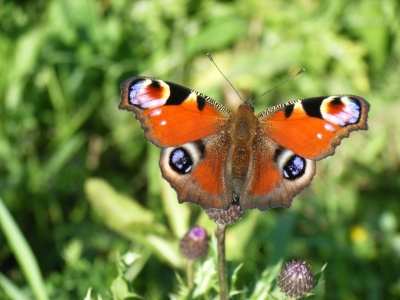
{"x": 118, "y": 211}
{"x": 132, "y": 220}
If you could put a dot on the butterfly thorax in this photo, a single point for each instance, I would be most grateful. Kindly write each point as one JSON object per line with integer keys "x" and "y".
{"x": 243, "y": 128}
{"x": 243, "y": 125}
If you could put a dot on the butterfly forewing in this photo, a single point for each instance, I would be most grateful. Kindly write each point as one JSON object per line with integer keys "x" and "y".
{"x": 170, "y": 114}
{"x": 312, "y": 128}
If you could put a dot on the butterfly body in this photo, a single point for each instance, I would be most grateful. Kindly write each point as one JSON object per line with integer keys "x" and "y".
{"x": 213, "y": 157}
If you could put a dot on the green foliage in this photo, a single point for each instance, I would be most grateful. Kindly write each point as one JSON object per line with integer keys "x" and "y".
{"x": 62, "y": 62}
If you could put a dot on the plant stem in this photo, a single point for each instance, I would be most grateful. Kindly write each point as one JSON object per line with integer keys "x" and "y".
{"x": 223, "y": 280}
{"x": 189, "y": 273}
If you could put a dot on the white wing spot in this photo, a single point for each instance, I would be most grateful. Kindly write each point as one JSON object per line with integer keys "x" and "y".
{"x": 319, "y": 136}
{"x": 155, "y": 112}
{"x": 329, "y": 127}
{"x": 163, "y": 122}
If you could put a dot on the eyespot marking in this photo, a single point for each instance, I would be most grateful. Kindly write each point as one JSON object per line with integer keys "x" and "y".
{"x": 148, "y": 93}
{"x": 341, "y": 111}
{"x": 180, "y": 161}
{"x": 294, "y": 167}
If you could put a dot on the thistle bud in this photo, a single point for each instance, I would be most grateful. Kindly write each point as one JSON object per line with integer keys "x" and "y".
{"x": 194, "y": 245}
{"x": 296, "y": 279}
{"x": 225, "y": 217}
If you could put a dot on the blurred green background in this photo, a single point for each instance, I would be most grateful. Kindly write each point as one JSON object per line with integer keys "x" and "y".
{"x": 61, "y": 64}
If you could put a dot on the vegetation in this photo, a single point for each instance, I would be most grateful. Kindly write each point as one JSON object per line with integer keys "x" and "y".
{"x": 83, "y": 204}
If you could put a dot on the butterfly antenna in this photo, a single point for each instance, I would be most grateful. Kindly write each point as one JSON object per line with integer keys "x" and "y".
{"x": 295, "y": 75}
{"x": 212, "y": 60}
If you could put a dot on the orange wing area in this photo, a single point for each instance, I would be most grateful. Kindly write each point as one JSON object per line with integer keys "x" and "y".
{"x": 174, "y": 125}
{"x": 266, "y": 178}
{"x": 208, "y": 181}
{"x": 306, "y": 136}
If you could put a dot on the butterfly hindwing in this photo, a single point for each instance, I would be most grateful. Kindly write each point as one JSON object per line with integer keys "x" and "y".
{"x": 278, "y": 176}
{"x": 195, "y": 170}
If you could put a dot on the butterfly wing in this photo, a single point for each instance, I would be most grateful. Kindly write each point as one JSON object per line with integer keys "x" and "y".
{"x": 191, "y": 129}
{"x": 313, "y": 127}
{"x": 170, "y": 114}
{"x": 292, "y": 136}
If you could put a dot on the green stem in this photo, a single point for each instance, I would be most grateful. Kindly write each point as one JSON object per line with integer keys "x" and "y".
{"x": 223, "y": 280}
{"x": 189, "y": 274}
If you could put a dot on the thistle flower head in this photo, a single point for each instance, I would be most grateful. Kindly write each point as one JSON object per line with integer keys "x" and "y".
{"x": 225, "y": 217}
{"x": 194, "y": 245}
{"x": 296, "y": 279}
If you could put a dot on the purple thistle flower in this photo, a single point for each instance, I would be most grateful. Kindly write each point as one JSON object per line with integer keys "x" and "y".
{"x": 194, "y": 245}
{"x": 296, "y": 279}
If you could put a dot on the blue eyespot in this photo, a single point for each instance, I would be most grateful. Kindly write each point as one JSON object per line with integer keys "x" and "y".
{"x": 294, "y": 167}
{"x": 180, "y": 161}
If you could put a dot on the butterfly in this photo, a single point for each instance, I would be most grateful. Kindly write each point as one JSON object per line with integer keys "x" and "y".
{"x": 214, "y": 158}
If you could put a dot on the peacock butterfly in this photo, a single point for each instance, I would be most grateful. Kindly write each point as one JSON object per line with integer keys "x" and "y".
{"x": 213, "y": 157}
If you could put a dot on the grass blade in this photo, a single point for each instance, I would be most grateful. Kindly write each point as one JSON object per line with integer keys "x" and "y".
{"x": 23, "y": 253}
